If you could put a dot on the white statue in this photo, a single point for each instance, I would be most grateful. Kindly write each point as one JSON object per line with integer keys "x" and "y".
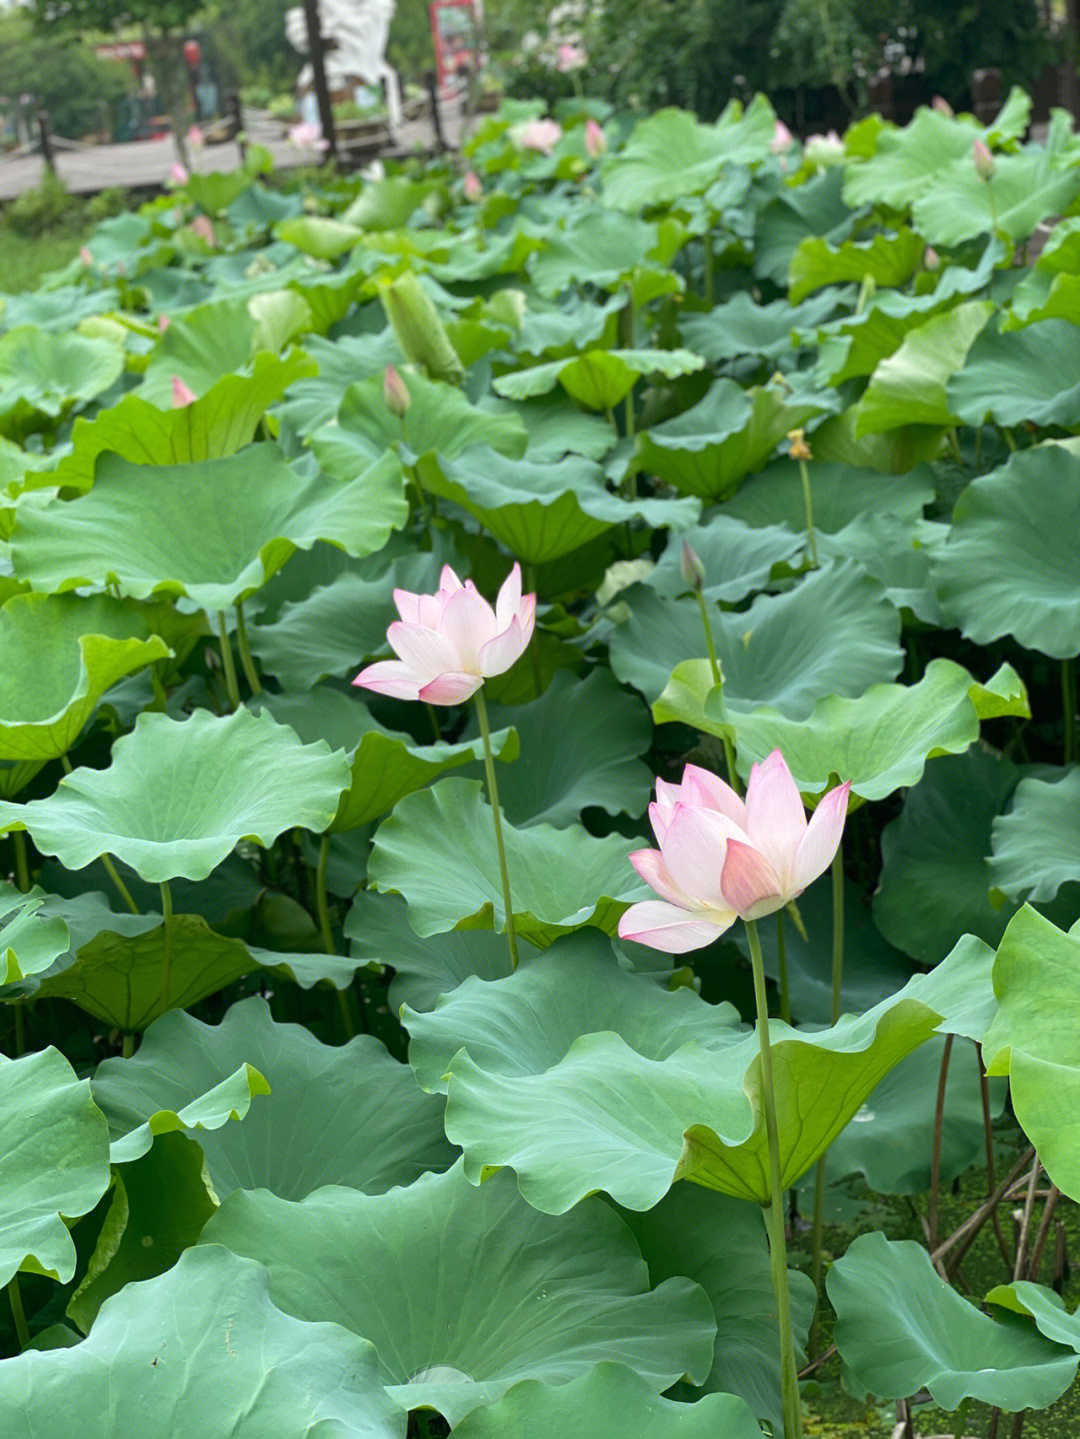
{"x": 359, "y": 30}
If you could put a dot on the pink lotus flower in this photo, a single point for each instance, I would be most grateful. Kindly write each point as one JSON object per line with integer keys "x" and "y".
{"x": 179, "y": 173}
{"x": 542, "y": 135}
{"x": 448, "y": 643}
{"x": 782, "y": 139}
{"x": 195, "y": 136}
{"x": 595, "y": 139}
{"x": 163, "y": 323}
{"x": 473, "y": 187}
{"x": 984, "y": 160}
{"x": 722, "y": 858}
{"x": 182, "y": 394}
{"x": 85, "y": 257}
{"x": 942, "y": 106}
{"x": 306, "y": 135}
{"x": 570, "y": 57}
{"x": 203, "y": 226}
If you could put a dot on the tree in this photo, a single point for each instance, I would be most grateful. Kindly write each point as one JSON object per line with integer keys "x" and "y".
{"x": 64, "y": 77}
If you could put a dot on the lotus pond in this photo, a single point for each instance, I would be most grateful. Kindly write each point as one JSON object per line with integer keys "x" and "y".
{"x": 365, "y": 1069}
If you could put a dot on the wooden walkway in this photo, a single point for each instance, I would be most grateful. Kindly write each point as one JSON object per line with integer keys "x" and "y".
{"x": 145, "y": 164}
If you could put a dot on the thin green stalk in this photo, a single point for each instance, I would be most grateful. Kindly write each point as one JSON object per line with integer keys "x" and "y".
{"x": 434, "y": 718}
{"x": 961, "y": 1420}
{"x": 774, "y": 1211}
{"x": 1006, "y": 435}
{"x": 322, "y": 901}
{"x": 22, "y": 1332}
{"x": 228, "y": 662}
{"x": 709, "y": 276}
{"x": 127, "y": 1045}
{"x": 167, "y": 944}
{"x": 22, "y": 867}
{"x": 106, "y": 860}
{"x": 781, "y": 963}
{"x": 496, "y": 819}
{"x": 818, "y": 1233}
{"x": 808, "y": 503}
{"x": 718, "y": 679}
{"x": 1068, "y": 699}
{"x": 251, "y": 674}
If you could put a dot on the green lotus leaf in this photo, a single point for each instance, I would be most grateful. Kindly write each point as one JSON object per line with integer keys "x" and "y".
{"x": 1041, "y": 1304}
{"x": 269, "y": 1375}
{"x": 1050, "y": 290}
{"x": 310, "y": 404}
{"x": 902, "y": 163}
{"x": 158, "y": 1208}
{"x": 1033, "y": 1039}
{"x": 737, "y": 558}
{"x": 438, "y": 851}
{"x": 213, "y": 339}
{"x": 887, "y": 259}
{"x": 388, "y": 204}
{"x": 575, "y": 324}
{"x": 541, "y": 510}
{"x": 179, "y": 796}
{"x": 133, "y": 1093}
{"x": 1020, "y": 376}
{"x": 29, "y": 941}
{"x": 816, "y": 207}
{"x": 43, "y": 373}
{"x": 440, "y": 419}
{"x": 709, "y": 448}
{"x": 384, "y": 765}
{"x": 833, "y": 633}
{"x": 525, "y": 1022}
{"x": 671, "y": 154}
{"x": 379, "y": 932}
{"x": 319, "y": 235}
{"x": 937, "y": 848}
{"x": 213, "y": 531}
{"x": 593, "y": 245}
{"x": 740, "y": 326}
{"x": 719, "y": 1242}
{"x": 597, "y": 379}
{"x": 570, "y": 1292}
{"x": 61, "y": 654}
{"x": 842, "y": 494}
{"x": 911, "y": 386}
{"x": 555, "y": 783}
{"x": 329, "y": 632}
{"x": 1036, "y": 845}
{"x": 607, "y": 1402}
{"x": 223, "y": 421}
{"x": 348, "y": 1115}
{"x": 901, "y": 1328}
{"x": 898, "y": 554}
{"x": 880, "y": 741}
{"x": 607, "y": 1116}
{"x": 1026, "y": 188}
{"x": 891, "y": 1138}
{"x": 1009, "y": 566}
{"x": 55, "y": 1162}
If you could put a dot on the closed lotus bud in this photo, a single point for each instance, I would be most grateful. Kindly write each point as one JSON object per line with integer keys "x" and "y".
{"x": 984, "y": 160}
{"x": 931, "y": 259}
{"x": 418, "y": 328}
{"x": 473, "y": 187}
{"x": 395, "y": 392}
{"x": 942, "y": 106}
{"x": 691, "y": 568}
{"x": 595, "y": 139}
{"x": 800, "y": 450}
{"x": 182, "y": 394}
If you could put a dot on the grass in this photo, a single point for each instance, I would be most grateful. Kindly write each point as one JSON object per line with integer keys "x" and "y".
{"x": 24, "y": 259}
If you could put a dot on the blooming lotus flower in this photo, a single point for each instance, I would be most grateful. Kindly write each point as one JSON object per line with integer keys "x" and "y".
{"x": 305, "y": 134}
{"x": 473, "y": 187}
{"x": 595, "y": 139}
{"x": 722, "y": 858}
{"x": 448, "y": 643}
{"x": 570, "y": 57}
{"x": 541, "y": 135}
{"x": 182, "y": 394}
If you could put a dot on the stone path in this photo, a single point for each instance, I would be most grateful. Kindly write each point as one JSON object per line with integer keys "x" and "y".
{"x": 146, "y": 163}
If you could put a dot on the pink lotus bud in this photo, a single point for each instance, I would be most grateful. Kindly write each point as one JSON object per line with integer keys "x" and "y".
{"x": 473, "y": 187}
{"x": 196, "y": 136}
{"x": 85, "y": 256}
{"x": 163, "y": 323}
{"x": 708, "y": 871}
{"x": 782, "y": 139}
{"x": 448, "y": 643}
{"x": 181, "y": 394}
{"x": 203, "y": 226}
{"x": 179, "y": 173}
{"x": 570, "y": 57}
{"x": 984, "y": 160}
{"x": 595, "y": 139}
{"x": 305, "y": 135}
{"x": 942, "y": 106}
{"x": 931, "y": 259}
{"x": 395, "y": 392}
{"x": 691, "y": 568}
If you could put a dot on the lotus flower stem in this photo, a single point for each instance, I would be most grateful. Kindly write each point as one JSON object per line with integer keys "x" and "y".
{"x": 1068, "y": 697}
{"x": 321, "y": 900}
{"x": 251, "y": 674}
{"x": 718, "y": 679}
{"x": 22, "y": 1332}
{"x": 774, "y": 1212}
{"x": 167, "y": 943}
{"x": 817, "y": 1234}
{"x": 808, "y": 503}
{"x": 228, "y": 662}
{"x": 935, "y": 1153}
{"x": 496, "y": 819}
{"x": 22, "y": 867}
{"x": 781, "y": 964}
{"x": 961, "y": 1420}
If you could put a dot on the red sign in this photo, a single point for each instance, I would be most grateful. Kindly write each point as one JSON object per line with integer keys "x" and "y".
{"x": 455, "y": 30}
{"x": 129, "y": 50}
